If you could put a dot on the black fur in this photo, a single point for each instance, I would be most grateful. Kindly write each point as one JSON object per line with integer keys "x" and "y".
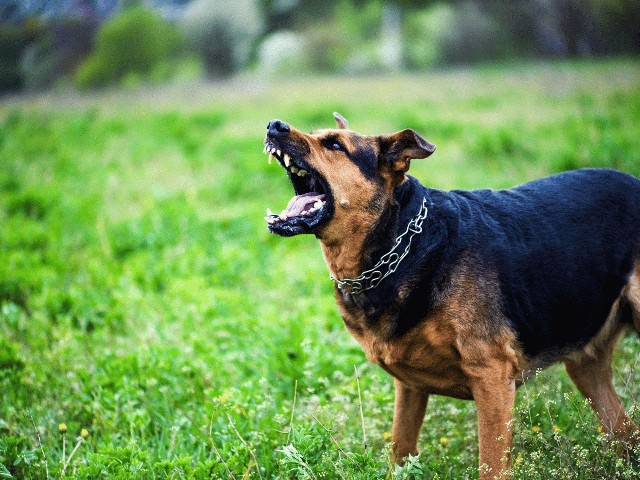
{"x": 561, "y": 248}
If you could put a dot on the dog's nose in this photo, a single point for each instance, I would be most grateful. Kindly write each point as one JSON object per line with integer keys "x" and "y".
{"x": 277, "y": 127}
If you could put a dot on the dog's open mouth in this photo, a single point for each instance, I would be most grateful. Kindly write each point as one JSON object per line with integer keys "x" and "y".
{"x": 311, "y": 206}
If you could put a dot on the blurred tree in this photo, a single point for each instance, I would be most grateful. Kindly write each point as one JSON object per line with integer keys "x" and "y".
{"x": 12, "y": 42}
{"x": 62, "y": 46}
{"x": 134, "y": 43}
{"x": 223, "y": 34}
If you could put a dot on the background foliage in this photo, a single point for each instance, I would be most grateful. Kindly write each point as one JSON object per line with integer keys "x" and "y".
{"x": 143, "y": 301}
{"x": 86, "y": 43}
{"x": 138, "y": 42}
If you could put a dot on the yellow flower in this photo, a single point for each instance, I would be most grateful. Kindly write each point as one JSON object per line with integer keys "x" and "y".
{"x": 62, "y": 427}
{"x": 556, "y": 429}
{"x": 444, "y": 440}
{"x": 84, "y": 433}
{"x": 518, "y": 459}
{"x": 386, "y": 435}
{"x": 535, "y": 428}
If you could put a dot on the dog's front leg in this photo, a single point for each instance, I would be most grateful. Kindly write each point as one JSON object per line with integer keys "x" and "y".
{"x": 408, "y": 415}
{"x": 494, "y": 399}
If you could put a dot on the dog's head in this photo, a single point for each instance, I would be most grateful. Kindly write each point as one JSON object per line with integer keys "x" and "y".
{"x": 341, "y": 179}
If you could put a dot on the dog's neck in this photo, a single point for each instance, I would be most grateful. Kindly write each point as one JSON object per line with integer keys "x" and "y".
{"x": 358, "y": 249}
{"x": 345, "y": 257}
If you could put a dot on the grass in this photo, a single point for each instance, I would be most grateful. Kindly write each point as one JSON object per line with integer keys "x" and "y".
{"x": 144, "y": 305}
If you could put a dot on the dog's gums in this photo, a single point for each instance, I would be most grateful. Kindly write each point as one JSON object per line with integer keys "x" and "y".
{"x": 310, "y": 207}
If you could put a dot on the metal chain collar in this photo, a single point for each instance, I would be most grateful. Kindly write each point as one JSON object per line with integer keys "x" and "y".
{"x": 371, "y": 278}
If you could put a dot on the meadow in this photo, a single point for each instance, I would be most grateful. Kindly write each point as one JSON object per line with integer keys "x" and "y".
{"x": 151, "y": 327}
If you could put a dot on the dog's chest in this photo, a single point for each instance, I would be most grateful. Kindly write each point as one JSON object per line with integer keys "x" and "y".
{"x": 424, "y": 358}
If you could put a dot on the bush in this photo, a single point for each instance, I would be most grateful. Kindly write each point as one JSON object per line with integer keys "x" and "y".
{"x": 137, "y": 43}
{"x": 446, "y": 34}
{"x": 223, "y": 34}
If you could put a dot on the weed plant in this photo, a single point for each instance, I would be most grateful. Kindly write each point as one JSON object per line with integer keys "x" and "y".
{"x": 150, "y": 327}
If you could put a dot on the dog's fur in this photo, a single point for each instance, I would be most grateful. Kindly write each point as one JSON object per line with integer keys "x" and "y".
{"x": 497, "y": 285}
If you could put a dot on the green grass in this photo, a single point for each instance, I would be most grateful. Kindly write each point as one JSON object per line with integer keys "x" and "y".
{"x": 142, "y": 299}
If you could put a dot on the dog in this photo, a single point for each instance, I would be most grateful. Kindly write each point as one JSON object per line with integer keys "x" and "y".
{"x": 468, "y": 293}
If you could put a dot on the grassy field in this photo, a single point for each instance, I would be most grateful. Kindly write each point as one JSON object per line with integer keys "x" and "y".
{"x": 144, "y": 305}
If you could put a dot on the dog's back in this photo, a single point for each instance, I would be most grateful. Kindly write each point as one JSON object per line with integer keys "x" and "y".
{"x": 563, "y": 248}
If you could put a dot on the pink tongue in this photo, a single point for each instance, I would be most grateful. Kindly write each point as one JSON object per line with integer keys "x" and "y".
{"x": 300, "y": 203}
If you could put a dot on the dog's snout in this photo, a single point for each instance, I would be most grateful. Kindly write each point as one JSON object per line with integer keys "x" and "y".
{"x": 277, "y": 127}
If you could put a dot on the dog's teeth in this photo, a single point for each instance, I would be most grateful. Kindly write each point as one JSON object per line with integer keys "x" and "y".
{"x": 283, "y": 216}
{"x": 287, "y": 160}
{"x": 270, "y": 158}
{"x": 269, "y": 212}
{"x": 302, "y": 173}
{"x": 294, "y": 169}
{"x": 318, "y": 204}
{"x": 270, "y": 220}
{"x": 278, "y": 153}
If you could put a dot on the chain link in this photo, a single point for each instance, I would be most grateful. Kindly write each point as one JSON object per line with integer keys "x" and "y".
{"x": 371, "y": 278}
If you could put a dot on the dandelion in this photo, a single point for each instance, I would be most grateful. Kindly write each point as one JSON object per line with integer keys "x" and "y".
{"x": 84, "y": 433}
{"x": 556, "y": 429}
{"x": 443, "y": 440}
{"x": 536, "y": 429}
{"x": 386, "y": 435}
{"x": 63, "y": 431}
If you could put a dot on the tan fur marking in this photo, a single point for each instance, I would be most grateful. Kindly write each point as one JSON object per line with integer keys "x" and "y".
{"x": 354, "y": 214}
{"x": 356, "y": 209}
{"x": 633, "y": 296}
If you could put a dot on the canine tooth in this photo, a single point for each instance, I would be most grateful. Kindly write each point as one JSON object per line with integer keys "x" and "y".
{"x": 278, "y": 153}
{"x": 287, "y": 160}
{"x": 270, "y": 158}
{"x": 302, "y": 173}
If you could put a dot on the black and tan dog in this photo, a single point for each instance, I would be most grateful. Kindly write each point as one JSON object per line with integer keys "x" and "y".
{"x": 466, "y": 293}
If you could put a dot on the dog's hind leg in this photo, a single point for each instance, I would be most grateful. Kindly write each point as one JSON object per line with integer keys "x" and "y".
{"x": 591, "y": 372}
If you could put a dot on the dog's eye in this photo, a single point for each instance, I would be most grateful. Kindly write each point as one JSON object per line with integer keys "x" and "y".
{"x": 335, "y": 145}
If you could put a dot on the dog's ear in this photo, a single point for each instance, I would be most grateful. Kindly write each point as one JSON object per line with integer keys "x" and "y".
{"x": 399, "y": 148}
{"x": 341, "y": 121}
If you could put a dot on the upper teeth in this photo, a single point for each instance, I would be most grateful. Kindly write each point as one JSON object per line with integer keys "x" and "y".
{"x": 286, "y": 160}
